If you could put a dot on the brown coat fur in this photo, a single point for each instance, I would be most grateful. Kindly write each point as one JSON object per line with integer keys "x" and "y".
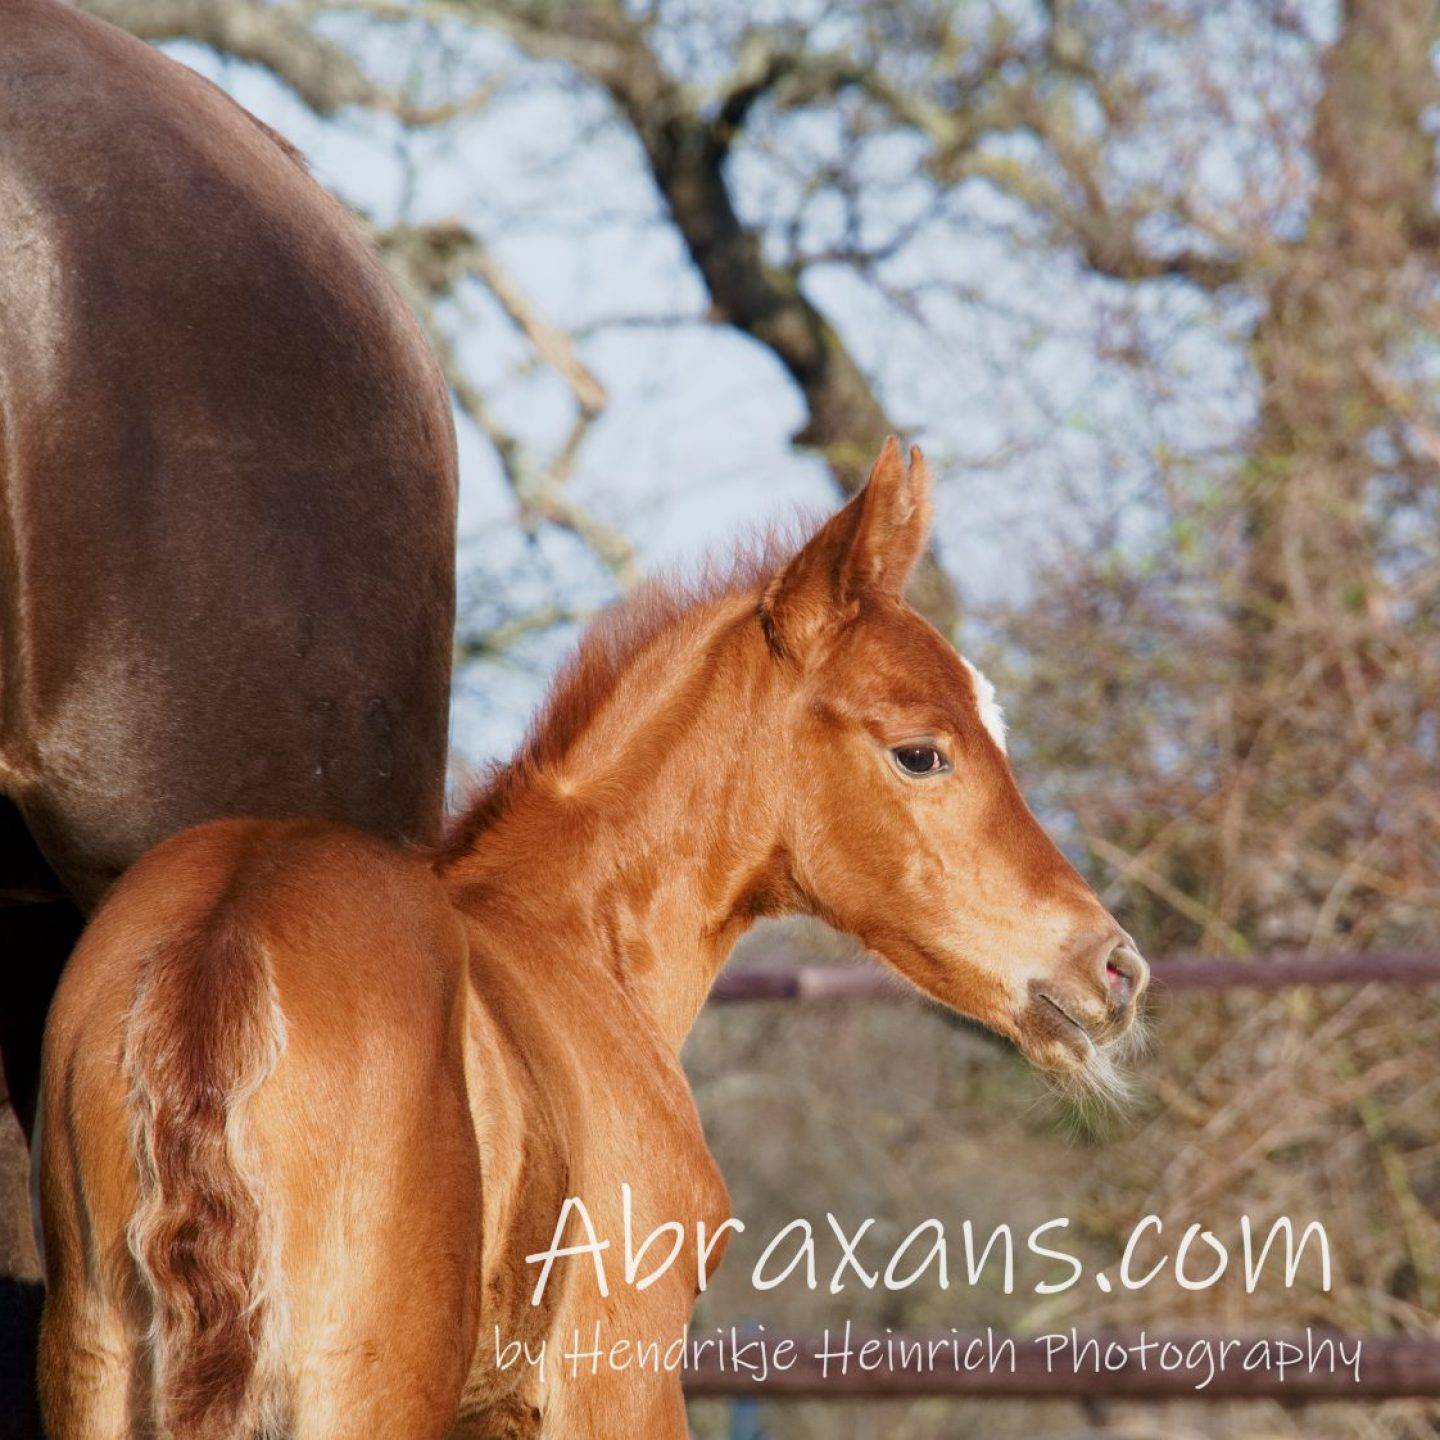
{"x": 227, "y": 494}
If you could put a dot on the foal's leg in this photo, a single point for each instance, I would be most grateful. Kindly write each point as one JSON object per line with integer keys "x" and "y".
{"x": 384, "y": 1306}
{"x": 86, "y": 1369}
{"x": 601, "y": 1407}
{"x": 622, "y": 1396}
{"x": 380, "y": 1249}
{"x": 383, "y": 1334}
{"x": 89, "y": 1368}
{"x": 384, "y": 1387}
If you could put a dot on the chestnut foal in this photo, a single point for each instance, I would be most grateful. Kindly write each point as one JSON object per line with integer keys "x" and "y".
{"x": 310, "y": 1101}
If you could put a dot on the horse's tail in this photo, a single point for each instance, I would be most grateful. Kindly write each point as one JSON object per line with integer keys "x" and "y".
{"x": 203, "y": 1034}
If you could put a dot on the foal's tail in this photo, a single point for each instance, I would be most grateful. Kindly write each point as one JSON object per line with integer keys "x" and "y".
{"x": 204, "y": 1033}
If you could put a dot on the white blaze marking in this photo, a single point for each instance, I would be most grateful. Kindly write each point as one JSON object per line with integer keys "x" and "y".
{"x": 992, "y": 717}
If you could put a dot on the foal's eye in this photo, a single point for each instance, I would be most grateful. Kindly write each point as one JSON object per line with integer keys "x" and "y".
{"x": 920, "y": 759}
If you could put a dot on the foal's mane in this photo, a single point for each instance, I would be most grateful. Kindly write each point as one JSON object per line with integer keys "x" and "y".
{"x": 608, "y": 647}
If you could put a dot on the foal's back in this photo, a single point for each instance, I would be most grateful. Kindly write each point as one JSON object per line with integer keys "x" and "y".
{"x": 282, "y": 1000}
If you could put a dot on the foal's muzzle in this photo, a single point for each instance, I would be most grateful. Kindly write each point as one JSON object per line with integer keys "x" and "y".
{"x": 1090, "y": 1000}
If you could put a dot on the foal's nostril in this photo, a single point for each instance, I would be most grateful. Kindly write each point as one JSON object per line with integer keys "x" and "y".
{"x": 1118, "y": 983}
{"x": 1125, "y": 975}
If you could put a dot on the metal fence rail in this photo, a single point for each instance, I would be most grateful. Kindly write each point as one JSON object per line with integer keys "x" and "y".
{"x": 1172, "y": 973}
{"x": 1391, "y": 1367}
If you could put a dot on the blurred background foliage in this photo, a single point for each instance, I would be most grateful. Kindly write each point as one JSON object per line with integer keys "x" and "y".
{"x": 1155, "y": 282}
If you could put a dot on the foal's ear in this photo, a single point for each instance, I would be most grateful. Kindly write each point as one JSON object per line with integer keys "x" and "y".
{"x": 869, "y": 547}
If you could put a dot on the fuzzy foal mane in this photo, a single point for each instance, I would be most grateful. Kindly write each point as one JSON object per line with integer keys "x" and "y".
{"x": 608, "y": 647}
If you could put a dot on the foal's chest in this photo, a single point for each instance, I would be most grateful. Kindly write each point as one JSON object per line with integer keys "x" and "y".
{"x": 588, "y": 1137}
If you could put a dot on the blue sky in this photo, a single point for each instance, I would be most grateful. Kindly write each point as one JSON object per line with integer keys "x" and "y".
{"x": 995, "y": 367}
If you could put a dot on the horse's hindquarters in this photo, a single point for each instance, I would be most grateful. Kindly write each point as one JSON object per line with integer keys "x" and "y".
{"x": 260, "y": 1187}
{"x": 368, "y": 1137}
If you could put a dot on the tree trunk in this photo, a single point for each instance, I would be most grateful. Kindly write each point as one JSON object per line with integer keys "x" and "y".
{"x": 846, "y": 422}
{"x": 1310, "y": 612}
{"x": 1336, "y": 305}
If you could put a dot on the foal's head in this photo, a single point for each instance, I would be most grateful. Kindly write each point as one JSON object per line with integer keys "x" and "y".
{"x": 903, "y": 822}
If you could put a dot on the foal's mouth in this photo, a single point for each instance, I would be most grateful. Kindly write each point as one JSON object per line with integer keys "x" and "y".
{"x": 1061, "y": 1025}
{"x": 1048, "y": 999}
{"x": 1054, "y": 1035}
{"x": 1078, "y": 1054}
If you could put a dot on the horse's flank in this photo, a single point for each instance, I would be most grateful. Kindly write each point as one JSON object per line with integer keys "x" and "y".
{"x": 227, "y": 493}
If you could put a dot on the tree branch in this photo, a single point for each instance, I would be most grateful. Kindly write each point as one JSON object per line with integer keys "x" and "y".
{"x": 686, "y": 151}
{"x": 432, "y": 260}
{"x": 278, "y": 38}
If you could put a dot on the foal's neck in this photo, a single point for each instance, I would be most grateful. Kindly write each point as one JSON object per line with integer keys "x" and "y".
{"x": 652, "y": 844}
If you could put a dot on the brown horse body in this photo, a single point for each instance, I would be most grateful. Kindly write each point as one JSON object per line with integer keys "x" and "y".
{"x": 227, "y": 494}
{"x": 310, "y": 1103}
